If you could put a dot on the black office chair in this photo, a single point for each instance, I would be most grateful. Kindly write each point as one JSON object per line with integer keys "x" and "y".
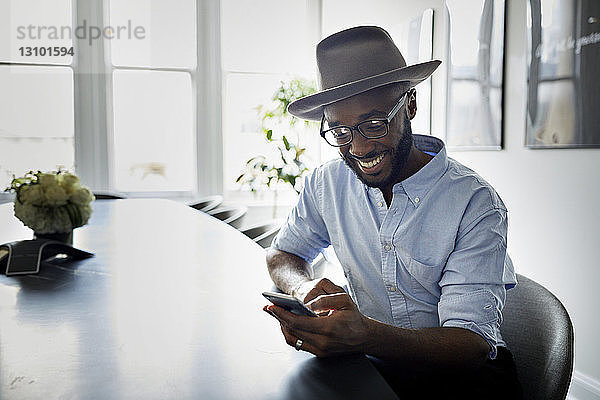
{"x": 207, "y": 203}
{"x": 233, "y": 215}
{"x": 266, "y": 238}
{"x": 108, "y": 195}
{"x": 539, "y": 333}
{"x": 255, "y": 231}
{"x": 264, "y": 233}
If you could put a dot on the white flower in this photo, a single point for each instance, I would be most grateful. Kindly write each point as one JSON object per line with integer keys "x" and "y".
{"x": 55, "y": 196}
{"x": 31, "y": 194}
{"x": 47, "y": 180}
{"x": 52, "y": 202}
{"x": 82, "y": 196}
{"x": 86, "y": 213}
{"x": 69, "y": 182}
{"x": 43, "y": 219}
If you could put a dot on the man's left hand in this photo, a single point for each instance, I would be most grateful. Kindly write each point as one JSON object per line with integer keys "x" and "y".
{"x": 340, "y": 329}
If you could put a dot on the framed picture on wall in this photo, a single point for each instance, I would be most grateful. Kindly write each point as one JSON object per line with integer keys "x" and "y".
{"x": 563, "y": 102}
{"x": 475, "y": 66}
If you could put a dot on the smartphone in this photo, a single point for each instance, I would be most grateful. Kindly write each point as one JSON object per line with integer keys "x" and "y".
{"x": 289, "y": 303}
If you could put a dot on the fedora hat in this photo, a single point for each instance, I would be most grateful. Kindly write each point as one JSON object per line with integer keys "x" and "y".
{"x": 353, "y": 61}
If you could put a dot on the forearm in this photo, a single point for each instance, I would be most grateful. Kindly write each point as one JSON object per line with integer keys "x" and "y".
{"x": 287, "y": 270}
{"x": 427, "y": 348}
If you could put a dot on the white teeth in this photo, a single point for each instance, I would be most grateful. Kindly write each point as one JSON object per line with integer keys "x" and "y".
{"x": 371, "y": 164}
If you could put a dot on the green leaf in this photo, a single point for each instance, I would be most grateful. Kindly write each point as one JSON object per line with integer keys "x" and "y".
{"x": 286, "y": 143}
{"x": 269, "y": 135}
{"x": 240, "y": 177}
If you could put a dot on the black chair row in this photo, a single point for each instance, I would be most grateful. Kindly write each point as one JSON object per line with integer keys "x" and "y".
{"x": 108, "y": 195}
{"x": 263, "y": 233}
{"x": 234, "y": 215}
{"x": 206, "y": 204}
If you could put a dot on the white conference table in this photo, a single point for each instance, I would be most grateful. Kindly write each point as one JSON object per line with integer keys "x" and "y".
{"x": 170, "y": 307}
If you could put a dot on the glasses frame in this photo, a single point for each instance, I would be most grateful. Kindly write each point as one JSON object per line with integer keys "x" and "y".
{"x": 386, "y": 120}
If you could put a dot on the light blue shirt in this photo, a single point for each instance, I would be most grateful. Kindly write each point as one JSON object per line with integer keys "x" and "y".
{"x": 435, "y": 257}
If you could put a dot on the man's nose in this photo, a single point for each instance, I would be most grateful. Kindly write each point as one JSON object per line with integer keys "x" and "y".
{"x": 360, "y": 145}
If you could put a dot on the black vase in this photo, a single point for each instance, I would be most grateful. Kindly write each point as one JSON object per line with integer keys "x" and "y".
{"x": 64, "y": 237}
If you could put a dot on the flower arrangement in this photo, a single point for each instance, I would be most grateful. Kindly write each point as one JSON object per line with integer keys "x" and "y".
{"x": 287, "y": 163}
{"x": 53, "y": 202}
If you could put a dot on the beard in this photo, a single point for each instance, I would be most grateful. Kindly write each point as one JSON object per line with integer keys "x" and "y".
{"x": 399, "y": 157}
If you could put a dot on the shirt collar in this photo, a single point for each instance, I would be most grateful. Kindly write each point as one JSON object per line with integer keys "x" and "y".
{"x": 418, "y": 185}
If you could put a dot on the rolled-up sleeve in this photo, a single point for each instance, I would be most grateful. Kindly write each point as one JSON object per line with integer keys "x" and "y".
{"x": 472, "y": 286}
{"x": 304, "y": 233}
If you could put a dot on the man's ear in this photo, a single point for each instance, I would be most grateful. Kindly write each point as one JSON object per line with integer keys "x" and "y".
{"x": 411, "y": 103}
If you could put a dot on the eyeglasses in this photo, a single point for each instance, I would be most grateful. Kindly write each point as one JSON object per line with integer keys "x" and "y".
{"x": 371, "y": 129}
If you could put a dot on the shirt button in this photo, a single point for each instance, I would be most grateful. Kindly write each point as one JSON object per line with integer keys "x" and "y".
{"x": 392, "y": 288}
{"x": 380, "y": 204}
{"x": 387, "y": 247}
{"x": 417, "y": 199}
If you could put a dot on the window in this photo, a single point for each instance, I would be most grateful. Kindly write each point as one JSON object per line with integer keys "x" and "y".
{"x": 36, "y": 91}
{"x": 170, "y": 111}
{"x": 154, "y": 139}
{"x": 133, "y": 110}
{"x": 264, "y": 42}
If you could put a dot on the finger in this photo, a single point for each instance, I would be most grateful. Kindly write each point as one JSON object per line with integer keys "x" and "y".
{"x": 329, "y": 287}
{"x": 285, "y": 317}
{"x": 337, "y": 301}
{"x": 271, "y": 313}
{"x": 313, "y": 294}
{"x": 297, "y": 322}
{"x": 291, "y": 337}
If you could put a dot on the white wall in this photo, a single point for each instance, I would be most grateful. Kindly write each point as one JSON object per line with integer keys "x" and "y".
{"x": 553, "y": 198}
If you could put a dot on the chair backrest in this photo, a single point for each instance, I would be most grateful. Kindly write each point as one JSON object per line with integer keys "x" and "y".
{"x": 539, "y": 333}
{"x": 233, "y": 216}
{"x": 207, "y": 203}
{"x": 266, "y": 238}
{"x": 255, "y": 231}
{"x": 108, "y": 195}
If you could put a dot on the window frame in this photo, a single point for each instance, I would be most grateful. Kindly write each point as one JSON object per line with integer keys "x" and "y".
{"x": 281, "y": 194}
{"x": 95, "y": 151}
{"x": 6, "y": 197}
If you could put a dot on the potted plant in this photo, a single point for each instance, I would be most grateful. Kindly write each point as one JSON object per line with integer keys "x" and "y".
{"x": 287, "y": 164}
{"x": 52, "y": 204}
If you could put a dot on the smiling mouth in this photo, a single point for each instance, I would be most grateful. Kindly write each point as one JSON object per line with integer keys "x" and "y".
{"x": 368, "y": 165}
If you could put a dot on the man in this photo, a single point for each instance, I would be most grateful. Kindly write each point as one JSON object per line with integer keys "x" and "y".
{"x": 421, "y": 238}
